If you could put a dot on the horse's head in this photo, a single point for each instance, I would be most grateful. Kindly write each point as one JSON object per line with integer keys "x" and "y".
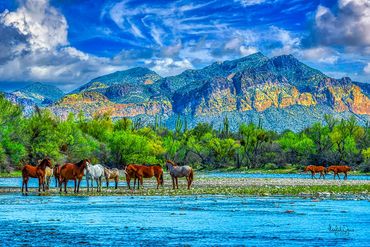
{"x": 83, "y": 163}
{"x": 46, "y": 163}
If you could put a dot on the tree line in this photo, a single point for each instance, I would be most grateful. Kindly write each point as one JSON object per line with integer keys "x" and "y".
{"x": 115, "y": 143}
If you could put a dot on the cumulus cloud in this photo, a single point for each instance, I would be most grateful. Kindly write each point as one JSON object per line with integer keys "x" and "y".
{"x": 168, "y": 66}
{"x": 348, "y": 25}
{"x": 34, "y": 47}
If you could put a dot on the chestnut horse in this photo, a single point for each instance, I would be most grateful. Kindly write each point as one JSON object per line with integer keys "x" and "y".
{"x": 178, "y": 172}
{"x": 74, "y": 172}
{"x": 29, "y": 171}
{"x": 316, "y": 169}
{"x": 56, "y": 173}
{"x": 111, "y": 174}
{"x": 339, "y": 169}
{"x": 143, "y": 171}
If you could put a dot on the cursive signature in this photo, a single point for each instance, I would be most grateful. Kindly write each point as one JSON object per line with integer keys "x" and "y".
{"x": 340, "y": 230}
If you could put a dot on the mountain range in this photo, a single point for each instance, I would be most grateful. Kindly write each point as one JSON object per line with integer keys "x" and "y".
{"x": 281, "y": 92}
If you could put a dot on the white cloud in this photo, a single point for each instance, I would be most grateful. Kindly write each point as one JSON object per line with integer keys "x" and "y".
{"x": 246, "y": 3}
{"x": 168, "y": 66}
{"x": 349, "y": 25}
{"x": 245, "y": 51}
{"x": 44, "y": 25}
{"x": 320, "y": 54}
{"x": 42, "y": 51}
{"x": 289, "y": 43}
{"x": 367, "y": 68}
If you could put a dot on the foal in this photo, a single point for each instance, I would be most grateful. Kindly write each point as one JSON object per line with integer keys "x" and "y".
{"x": 111, "y": 174}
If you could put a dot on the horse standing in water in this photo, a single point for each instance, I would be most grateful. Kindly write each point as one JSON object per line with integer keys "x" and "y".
{"x": 111, "y": 174}
{"x": 339, "y": 169}
{"x": 94, "y": 172}
{"x": 74, "y": 172}
{"x": 56, "y": 173}
{"x": 178, "y": 172}
{"x": 142, "y": 171}
{"x": 316, "y": 169}
{"x": 48, "y": 174}
{"x": 35, "y": 172}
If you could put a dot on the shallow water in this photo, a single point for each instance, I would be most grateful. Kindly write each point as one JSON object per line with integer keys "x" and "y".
{"x": 266, "y": 175}
{"x": 195, "y": 221}
{"x": 17, "y": 182}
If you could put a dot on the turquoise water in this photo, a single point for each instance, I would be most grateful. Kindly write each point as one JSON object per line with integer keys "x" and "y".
{"x": 179, "y": 221}
{"x": 17, "y": 182}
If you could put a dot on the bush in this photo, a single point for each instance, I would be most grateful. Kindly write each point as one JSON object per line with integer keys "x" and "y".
{"x": 270, "y": 166}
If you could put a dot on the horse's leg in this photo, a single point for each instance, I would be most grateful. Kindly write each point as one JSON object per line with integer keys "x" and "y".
{"x": 158, "y": 181}
{"x": 75, "y": 190}
{"x": 107, "y": 181}
{"x": 22, "y": 185}
{"x": 65, "y": 185}
{"x": 116, "y": 182}
{"x": 128, "y": 181}
{"x": 87, "y": 184}
{"x": 345, "y": 175}
{"x": 173, "y": 182}
{"x": 78, "y": 185}
{"x": 311, "y": 174}
{"x": 177, "y": 182}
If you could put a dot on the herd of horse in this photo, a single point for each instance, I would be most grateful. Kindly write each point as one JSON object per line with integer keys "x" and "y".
{"x": 75, "y": 171}
{"x": 323, "y": 171}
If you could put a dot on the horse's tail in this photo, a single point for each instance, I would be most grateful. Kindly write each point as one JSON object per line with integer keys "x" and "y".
{"x": 191, "y": 175}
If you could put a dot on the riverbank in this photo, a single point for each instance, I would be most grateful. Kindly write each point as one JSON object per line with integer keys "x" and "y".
{"x": 311, "y": 188}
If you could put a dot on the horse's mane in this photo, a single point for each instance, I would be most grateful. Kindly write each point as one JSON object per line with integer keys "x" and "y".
{"x": 171, "y": 162}
{"x": 79, "y": 164}
{"x": 44, "y": 161}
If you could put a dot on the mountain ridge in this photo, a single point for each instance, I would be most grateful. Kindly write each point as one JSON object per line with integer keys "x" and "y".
{"x": 281, "y": 90}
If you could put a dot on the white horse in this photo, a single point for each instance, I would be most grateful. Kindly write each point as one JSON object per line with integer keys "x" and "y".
{"x": 94, "y": 172}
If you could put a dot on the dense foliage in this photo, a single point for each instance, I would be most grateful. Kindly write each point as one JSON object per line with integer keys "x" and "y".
{"x": 124, "y": 141}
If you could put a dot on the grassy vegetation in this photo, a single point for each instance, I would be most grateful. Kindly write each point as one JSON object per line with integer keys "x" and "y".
{"x": 13, "y": 174}
{"x": 312, "y": 191}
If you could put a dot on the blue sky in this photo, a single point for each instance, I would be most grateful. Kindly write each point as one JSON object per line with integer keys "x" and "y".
{"x": 68, "y": 42}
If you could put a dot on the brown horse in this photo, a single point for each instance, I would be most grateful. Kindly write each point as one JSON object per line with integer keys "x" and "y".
{"x": 56, "y": 172}
{"x": 29, "y": 171}
{"x": 143, "y": 171}
{"x": 316, "y": 169}
{"x": 339, "y": 169}
{"x": 74, "y": 172}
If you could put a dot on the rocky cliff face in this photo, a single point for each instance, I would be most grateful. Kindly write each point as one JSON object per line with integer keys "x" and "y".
{"x": 282, "y": 91}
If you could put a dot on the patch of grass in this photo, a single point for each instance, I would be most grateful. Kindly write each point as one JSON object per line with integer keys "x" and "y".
{"x": 13, "y": 174}
{"x": 334, "y": 190}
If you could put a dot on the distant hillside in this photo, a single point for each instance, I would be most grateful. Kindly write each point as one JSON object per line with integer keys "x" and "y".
{"x": 39, "y": 93}
{"x": 281, "y": 91}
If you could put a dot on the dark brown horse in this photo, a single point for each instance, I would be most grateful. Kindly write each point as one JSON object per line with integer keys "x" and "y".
{"x": 339, "y": 169}
{"x": 316, "y": 169}
{"x": 29, "y": 171}
{"x": 143, "y": 171}
{"x": 74, "y": 172}
{"x": 56, "y": 173}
